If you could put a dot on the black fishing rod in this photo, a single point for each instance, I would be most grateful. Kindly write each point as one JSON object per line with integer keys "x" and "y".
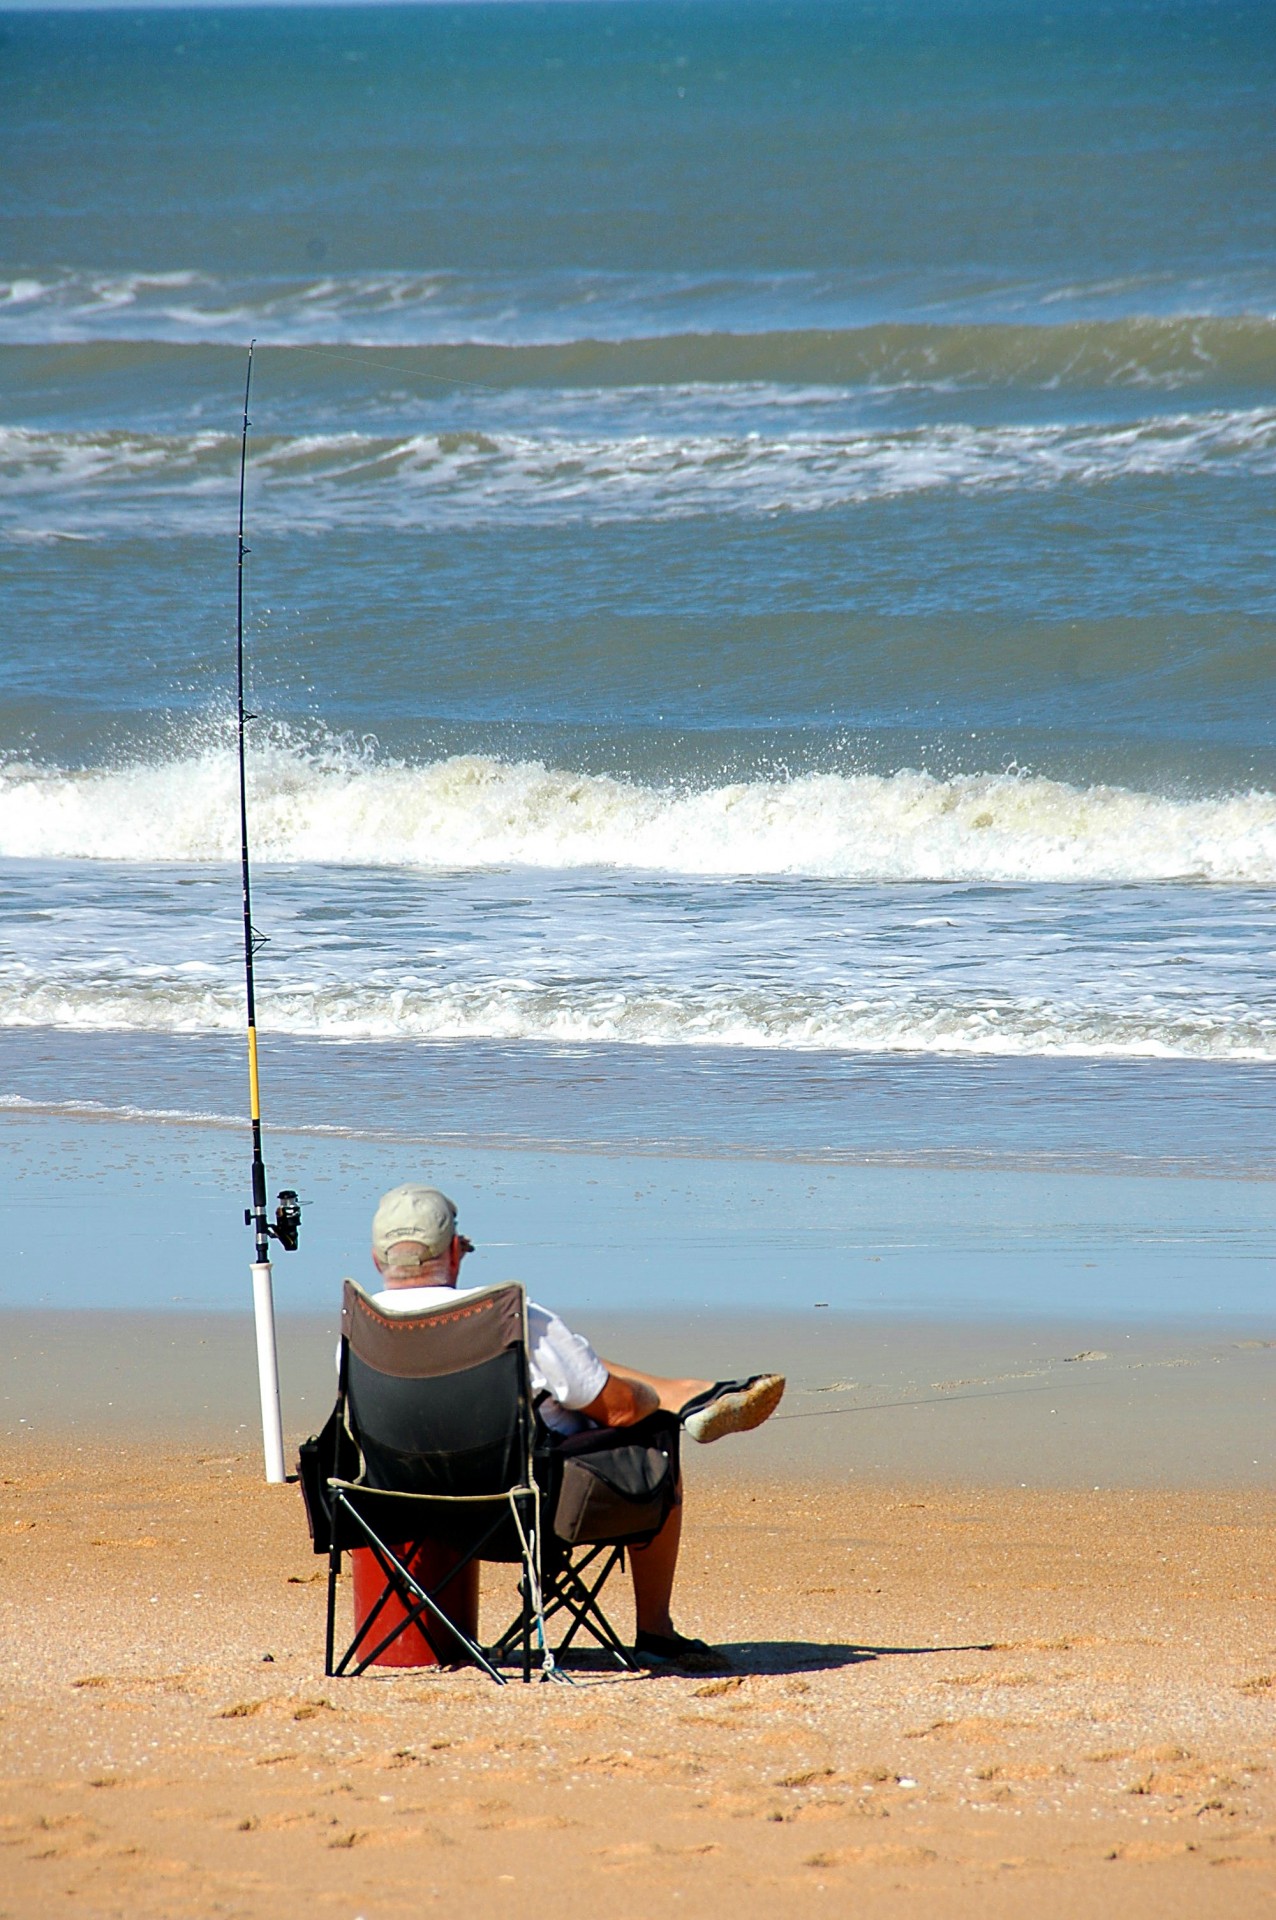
{"x": 286, "y": 1225}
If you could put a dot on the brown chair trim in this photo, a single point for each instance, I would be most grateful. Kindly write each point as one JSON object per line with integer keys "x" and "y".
{"x": 438, "y": 1340}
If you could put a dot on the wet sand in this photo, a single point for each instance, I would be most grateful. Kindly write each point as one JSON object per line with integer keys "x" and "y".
{"x": 100, "y": 1211}
{"x": 1082, "y": 1402}
{"x": 953, "y": 1693}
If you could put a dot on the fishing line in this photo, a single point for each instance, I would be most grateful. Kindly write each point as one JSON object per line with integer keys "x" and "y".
{"x": 411, "y": 373}
{"x": 935, "y": 1400}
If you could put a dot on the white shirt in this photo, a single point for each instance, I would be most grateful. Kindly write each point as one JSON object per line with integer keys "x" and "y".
{"x": 562, "y": 1363}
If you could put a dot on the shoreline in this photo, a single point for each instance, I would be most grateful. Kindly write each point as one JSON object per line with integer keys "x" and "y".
{"x": 988, "y": 1112}
{"x": 1059, "y": 1163}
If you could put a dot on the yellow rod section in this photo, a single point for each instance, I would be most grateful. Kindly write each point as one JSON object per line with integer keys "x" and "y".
{"x": 254, "y": 1098}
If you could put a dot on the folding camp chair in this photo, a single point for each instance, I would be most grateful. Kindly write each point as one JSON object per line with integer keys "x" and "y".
{"x": 435, "y": 1437}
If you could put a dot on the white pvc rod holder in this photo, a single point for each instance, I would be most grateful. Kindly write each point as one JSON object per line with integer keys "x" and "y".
{"x": 272, "y": 1430}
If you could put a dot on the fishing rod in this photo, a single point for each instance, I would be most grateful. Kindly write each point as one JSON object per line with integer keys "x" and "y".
{"x": 286, "y": 1225}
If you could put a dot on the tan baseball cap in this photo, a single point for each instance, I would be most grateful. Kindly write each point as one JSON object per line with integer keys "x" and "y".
{"x": 421, "y": 1215}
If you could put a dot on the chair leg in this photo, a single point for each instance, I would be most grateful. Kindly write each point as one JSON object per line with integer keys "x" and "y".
{"x": 334, "y": 1574}
{"x": 416, "y": 1602}
{"x": 516, "y": 1641}
{"x": 526, "y": 1518}
{"x": 581, "y": 1601}
{"x": 567, "y": 1591}
{"x": 388, "y": 1592}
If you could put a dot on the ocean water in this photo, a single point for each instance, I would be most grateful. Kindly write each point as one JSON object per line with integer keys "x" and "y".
{"x": 761, "y": 605}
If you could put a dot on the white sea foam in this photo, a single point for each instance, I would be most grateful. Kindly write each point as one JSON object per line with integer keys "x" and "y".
{"x": 472, "y": 477}
{"x": 767, "y": 1018}
{"x": 331, "y": 806}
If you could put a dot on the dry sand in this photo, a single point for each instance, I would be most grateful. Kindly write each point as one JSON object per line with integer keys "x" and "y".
{"x": 948, "y": 1700}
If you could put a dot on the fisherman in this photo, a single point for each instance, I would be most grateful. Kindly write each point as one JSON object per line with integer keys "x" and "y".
{"x": 418, "y": 1253}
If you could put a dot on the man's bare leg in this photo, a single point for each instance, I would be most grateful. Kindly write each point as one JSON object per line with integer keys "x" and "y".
{"x": 708, "y": 1409}
{"x": 673, "y": 1394}
{"x": 653, "y": 1568}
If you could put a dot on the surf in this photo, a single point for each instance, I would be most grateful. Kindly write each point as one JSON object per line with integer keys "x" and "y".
{"x": 334, "y": 804}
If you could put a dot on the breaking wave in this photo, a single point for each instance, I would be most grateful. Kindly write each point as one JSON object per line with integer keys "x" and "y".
{"x": 467, "y": 476}
{"x": 332, "y": 805}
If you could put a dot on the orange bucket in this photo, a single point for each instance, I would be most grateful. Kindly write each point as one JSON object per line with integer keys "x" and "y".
{"x": 427, "y": 1643}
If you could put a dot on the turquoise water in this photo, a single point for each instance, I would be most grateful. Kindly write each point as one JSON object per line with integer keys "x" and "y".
{"x": 760, "y": 604}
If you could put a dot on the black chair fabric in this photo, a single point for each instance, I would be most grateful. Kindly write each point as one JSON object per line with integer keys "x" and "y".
{"x": 457, "y": 1434}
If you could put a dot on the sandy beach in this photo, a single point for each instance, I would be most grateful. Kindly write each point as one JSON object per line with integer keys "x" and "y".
{"x": 950, "y": 1693}
{"x": 727, "y": 617}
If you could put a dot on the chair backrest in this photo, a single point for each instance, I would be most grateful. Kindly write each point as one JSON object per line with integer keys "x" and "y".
{"x": 439, "y": 1400}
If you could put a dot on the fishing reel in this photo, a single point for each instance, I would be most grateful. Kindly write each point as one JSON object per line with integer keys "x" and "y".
{"x": 287, "y": 1224}
{"x": 287, "y": 1227}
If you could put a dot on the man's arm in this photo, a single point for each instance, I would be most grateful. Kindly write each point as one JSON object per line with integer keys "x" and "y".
{"x": 672, "y": 1395}
{"x": 622, "y": 1402}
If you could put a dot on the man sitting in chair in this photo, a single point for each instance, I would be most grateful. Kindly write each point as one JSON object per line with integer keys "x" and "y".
{"x": 418, "y": 1253}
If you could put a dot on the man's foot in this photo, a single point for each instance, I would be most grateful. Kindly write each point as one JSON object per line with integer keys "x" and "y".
{"x": 732, "y": 1406}
{"x": 676, "y": 1651}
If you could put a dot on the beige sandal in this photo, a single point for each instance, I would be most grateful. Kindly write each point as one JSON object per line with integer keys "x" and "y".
{"x": 732, "y": 1406}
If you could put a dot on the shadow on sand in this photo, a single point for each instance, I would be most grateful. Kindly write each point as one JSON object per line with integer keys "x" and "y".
{"x": 820, "y": 1656}
{"x": 744, "y": 1658}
